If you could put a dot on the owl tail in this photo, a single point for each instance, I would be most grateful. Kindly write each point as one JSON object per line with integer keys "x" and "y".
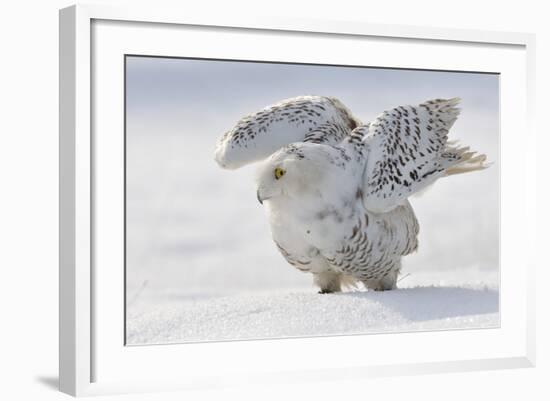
{"x": 464, "y": 160}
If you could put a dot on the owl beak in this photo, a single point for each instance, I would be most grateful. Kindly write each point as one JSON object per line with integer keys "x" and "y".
{"x": 261, "y": 196}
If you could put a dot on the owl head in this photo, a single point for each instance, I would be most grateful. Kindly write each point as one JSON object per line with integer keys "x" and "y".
{"x": 301, "y": 171}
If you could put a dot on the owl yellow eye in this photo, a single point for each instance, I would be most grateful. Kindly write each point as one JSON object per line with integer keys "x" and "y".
{"x": 279, "y": 172}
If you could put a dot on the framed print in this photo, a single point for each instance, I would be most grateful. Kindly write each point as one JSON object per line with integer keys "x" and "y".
{"x": 345, "y": 193}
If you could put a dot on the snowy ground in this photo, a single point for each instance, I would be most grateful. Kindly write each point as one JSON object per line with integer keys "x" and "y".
{"x": 179, "y": 317}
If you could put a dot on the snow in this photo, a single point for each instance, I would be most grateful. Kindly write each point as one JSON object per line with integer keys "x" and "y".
{"x": 191, "y": 317}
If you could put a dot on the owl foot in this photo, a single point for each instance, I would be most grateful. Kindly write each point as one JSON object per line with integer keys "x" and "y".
{"x": 328, "y": 282}
{"x": 386, "y": 283}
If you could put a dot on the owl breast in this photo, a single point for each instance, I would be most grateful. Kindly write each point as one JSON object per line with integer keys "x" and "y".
{"x": 305, "y": 236}
{"x": 348, "y": 239}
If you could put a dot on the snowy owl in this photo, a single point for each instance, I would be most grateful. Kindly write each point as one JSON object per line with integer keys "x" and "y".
{"x": 336, "y": 190}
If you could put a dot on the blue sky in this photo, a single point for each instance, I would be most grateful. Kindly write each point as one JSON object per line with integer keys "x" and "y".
{"x": 169, "y": 85}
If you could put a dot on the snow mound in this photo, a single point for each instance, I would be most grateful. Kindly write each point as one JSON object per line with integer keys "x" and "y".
{"x": 177, "y": 318}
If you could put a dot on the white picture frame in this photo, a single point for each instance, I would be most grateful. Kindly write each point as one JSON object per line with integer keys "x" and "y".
{"x": 93, "y": 359}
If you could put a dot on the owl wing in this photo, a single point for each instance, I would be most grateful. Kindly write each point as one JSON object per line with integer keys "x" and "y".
{"x": 407, "y": 149}
{"x": 317, "y": 119}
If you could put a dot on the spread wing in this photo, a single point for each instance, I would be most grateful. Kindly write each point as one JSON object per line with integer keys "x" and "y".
{"x": 302, "y": 119}
{"x": 407, "y": 150}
